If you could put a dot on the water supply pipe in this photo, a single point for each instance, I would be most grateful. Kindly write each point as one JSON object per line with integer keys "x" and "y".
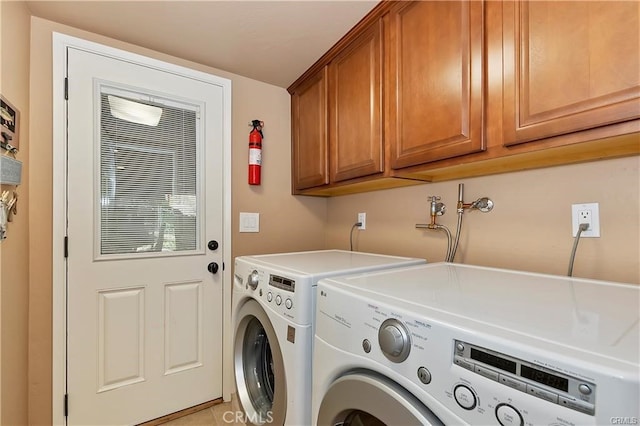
{"x": 437, "y": 208}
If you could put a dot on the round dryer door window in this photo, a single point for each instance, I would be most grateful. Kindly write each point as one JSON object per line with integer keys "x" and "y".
{"x": 259, "y": 368}
{"x": 366, "y": 398}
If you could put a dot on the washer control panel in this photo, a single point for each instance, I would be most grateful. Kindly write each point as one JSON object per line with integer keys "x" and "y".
{"x": 282, "y": 283}
{"x": 278, "y": 292}
{"x": 536, "y": 380}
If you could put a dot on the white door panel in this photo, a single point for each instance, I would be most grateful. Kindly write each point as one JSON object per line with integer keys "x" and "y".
{"x": 144, "y": 314}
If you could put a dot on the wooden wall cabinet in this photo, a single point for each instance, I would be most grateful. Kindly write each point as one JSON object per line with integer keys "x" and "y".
{"x": 337, "y": 116}
{"x": 404, "y": 88}
{"x": 435, "y": 81}
{"x": 310, "y": 149}
{"x": 355, "y": 108}
{"x": 442, "y": 90}
{"x": 569, "y": 66}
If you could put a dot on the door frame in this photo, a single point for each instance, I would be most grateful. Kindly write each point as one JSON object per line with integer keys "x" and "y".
{"x": 59, "y": 291}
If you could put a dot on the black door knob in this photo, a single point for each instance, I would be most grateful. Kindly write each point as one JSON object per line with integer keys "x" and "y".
{"x": 213, "y": 245}
{"x": 212, "y": 267}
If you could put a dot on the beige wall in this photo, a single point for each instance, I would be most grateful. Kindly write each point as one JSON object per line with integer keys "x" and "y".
{"x": 286, "y": 223}
{"x": 528, "y": 229}
{"x": 14, "y": 254}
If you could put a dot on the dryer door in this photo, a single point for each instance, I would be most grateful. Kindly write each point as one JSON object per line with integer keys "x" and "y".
{"x": 259, "y": 367}
{"x": 365, "y": 398}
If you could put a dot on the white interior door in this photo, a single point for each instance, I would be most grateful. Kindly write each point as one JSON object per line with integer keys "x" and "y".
{"x": 144, "y": 313}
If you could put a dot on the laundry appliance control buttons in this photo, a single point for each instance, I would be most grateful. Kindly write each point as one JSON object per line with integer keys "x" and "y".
{"x": 508, "y": 416}
{"x": 253, "y": 280}
{"x": 424, "y": 375}
{"x": 394, "y": 340}
{"x": 465, "y": 397}
{"x": 584, "y": 389}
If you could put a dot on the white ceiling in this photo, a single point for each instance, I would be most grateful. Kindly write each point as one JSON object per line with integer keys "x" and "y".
{"x": 270, "y": 41}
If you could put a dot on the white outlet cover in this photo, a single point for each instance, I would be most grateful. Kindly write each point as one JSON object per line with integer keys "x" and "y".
{"x": 594, "y": 229}
{"x": 249, "y": 222}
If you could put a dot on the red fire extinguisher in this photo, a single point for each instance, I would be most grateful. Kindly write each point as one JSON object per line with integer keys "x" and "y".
{"x": 255, "y": 152}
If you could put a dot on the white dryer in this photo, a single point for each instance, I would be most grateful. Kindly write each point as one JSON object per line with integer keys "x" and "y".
{"x": 273, "y": 318}
{"x": 453, "y": 344}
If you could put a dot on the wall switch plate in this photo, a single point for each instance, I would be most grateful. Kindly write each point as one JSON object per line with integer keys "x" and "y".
{"x": 586, "y": 213}
{"x": 249, "y": 222}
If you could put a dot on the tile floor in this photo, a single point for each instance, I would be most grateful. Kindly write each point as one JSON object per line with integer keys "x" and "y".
{"x": 224, "y": 414}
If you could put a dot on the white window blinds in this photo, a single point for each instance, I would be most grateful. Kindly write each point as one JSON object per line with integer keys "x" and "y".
{"x": 148, "y": 174}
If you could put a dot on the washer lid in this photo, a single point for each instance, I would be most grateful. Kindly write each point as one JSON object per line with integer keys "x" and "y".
{"x": 591, "y": 316}
{"x": 322, "y": 263}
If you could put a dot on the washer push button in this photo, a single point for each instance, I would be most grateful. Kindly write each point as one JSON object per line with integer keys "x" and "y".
{"x": 541, "y": 393}
{"x": 424, "y": 375}
{"x": 508, "y": 416}
{"x": 463, "y": 363}
{"x": 513, "y": 383}
{"x": 584, "y": 389}
{"x": 486, "y": 372}
{"x": 464, "y": 397}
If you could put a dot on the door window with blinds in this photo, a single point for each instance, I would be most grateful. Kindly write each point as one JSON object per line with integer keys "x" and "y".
{"x": 148, "y": 170}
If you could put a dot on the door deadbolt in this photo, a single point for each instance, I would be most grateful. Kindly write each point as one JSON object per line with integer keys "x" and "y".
{"x": 213, "y": 245}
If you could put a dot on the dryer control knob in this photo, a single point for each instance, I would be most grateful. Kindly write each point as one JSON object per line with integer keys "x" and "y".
{"x": 394, "y": 340}
{"x": 253, "y": 280}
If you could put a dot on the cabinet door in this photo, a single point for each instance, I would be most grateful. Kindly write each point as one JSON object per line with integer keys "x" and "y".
{"x": 435, "y": 80}
{"x": 569, "y": 66}
{"x": 309, "y": 132}
{"x": 355, "y": 110}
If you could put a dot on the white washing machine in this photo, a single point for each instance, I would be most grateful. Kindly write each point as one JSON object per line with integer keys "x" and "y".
{"x": 454, "y": 344}
{"x": 273, "y": 315}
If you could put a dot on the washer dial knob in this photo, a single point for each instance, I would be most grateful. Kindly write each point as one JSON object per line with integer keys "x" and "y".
{"x": 394, "y": 340}
{"x": 253, "y": 280}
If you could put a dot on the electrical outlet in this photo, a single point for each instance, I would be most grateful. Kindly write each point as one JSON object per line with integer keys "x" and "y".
{"x": 586, "y": 213}
{"x": 362, "y": 219}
